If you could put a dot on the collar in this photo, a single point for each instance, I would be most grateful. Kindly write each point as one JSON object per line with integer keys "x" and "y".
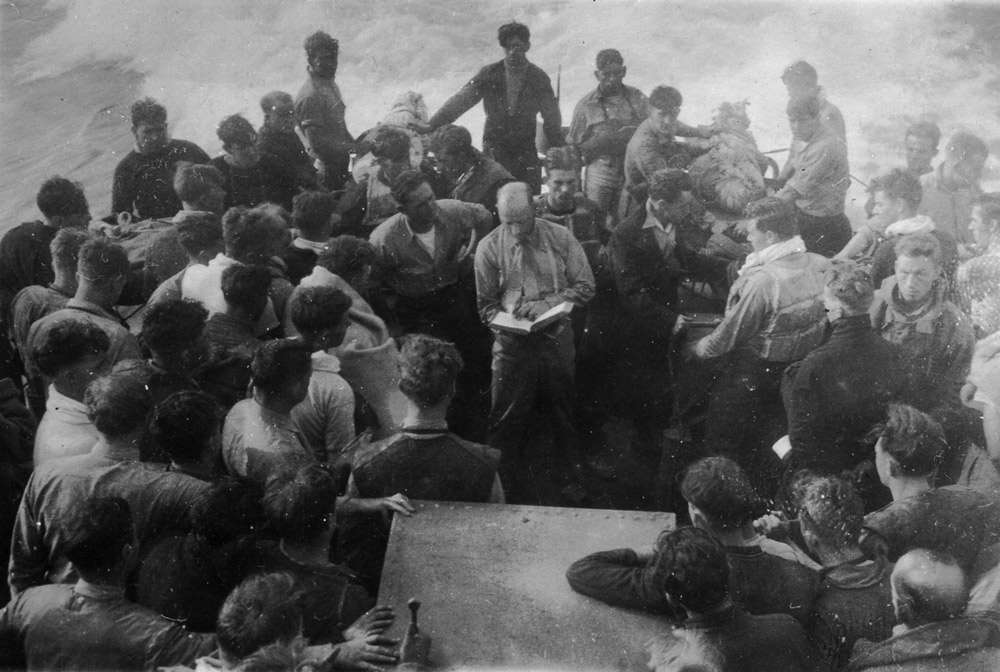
{"x": 303, "y": 244}
{"x": 114, "y": 453}
{"x": 183, "y": 215}
{"x": 718, "y": 619}
{"x": 99, "y": 591}
{"x": 793, "y": 245}
{"x": 534, "y": 238}
{"x": 324, "y": 361}
{"x": 916, "y": 224}
{"x": 852, "y": 323}
{"x": 651, "y": 221}
{"x": 58, "y": 401}
{"x": 745, "y": 551}
{"x": 93, "y": 308}
{"x": 60, "y": 291}
{"x": 414, "y": 234}
{"x": 935, "y": 304}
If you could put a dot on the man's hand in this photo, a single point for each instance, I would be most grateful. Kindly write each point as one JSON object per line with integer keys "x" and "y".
{"x": 366, "y": 654}
{"x": 689, "y": 351}
{"x": 375, "y": 621}
{"x": 531, "y": 309}
{"x": 416, "y": 647}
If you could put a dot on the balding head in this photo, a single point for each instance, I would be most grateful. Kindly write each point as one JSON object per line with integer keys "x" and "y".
{"x": 515, "y": 209}
{"x": 928, "y": 587}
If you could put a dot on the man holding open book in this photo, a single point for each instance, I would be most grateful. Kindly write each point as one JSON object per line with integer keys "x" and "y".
{"x": 526, "y": 269}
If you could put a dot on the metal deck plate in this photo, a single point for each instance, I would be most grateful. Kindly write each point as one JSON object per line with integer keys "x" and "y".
{"x": 492, "y": 582}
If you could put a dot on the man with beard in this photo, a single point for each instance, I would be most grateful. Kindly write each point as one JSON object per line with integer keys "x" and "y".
{"x": 144, "y": 179}
{"x": 514, "y": 92}
{"x": 319, "y": 109}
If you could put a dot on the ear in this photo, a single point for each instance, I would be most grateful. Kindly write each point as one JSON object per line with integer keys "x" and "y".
{"x": 597, "y": 75}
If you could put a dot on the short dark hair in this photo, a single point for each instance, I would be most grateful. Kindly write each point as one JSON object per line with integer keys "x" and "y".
{"x": 925, "y": 129}
{"x": 831, "y": 509}
{"x": 801, "y": 70}
{"x": 562, "y": 158}
{"x": 252, "y": 234}
{"x": 988, "y": 203}
{"x": 512, "y": 30}
{"x": 803, "y": 106}
{"x": 346, "y": 255}
{"x": 173, "y": 325}
{"x": 428, "y": 369}
{"x": 102, "y": 262}
{"x": 199, "y": 232}
{"x": 317, "y": 308}
{"x": 66, "y": 343}
{"x": 278, "y": 363}
{"x": 968, "y": 144}
{"x": 452, "y": 139}
{"x": 899, "y": 183}
{"x": 97, "y": 533}
{"x": 300, "y": 504}
{"x": 59, "y": 197}
{"x": 921, "y": 244}
{"x": 229, "y": 509}
{"x": 606, "y": 57}
{"x": 147, "y": 111}
{"x": 276, "y": 657}
{"x": 235, "y": 131}
{"x": 774, "y": 214}
{"x": 406, "y": 183}
{"x": 245, "y": 287}
{"x": 184, "y": 424}
{"x": 390, "y": 142}
{"x": 272, "y": 99}
{"x": 913, "y": 439}
{"x": 312, "y": 210}
{"x": 193, "y": 181}
{"x": 65, "y": 248}
{"x": 722, "y": 491}
{"x": 262, "y": 610}
{"x": 321, "y": 41}
{"x": 665, "y": 98}
{"x": 691, "y": 566}
{"x": 119, "y": 402}
{"x": 668, "y": 184}
{"x": 851, "y": 284}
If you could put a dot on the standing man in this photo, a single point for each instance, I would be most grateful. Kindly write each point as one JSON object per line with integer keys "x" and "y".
{"x": 143, "y": 186}
{"x": 951, "y": 190}
{"x": 565, "y": 205}
{"x": 921, "y": 145}
{"x": 277, "y": 137}
{"x": 802, "y": 81}
{"x": 603, "y": 123}
{"x": 319, "y": 110}
{"x": 816, "y": 179}
{"x": 525, "y": 267}
{"x": 514, "y": 92}
{"x": 774, "y": 316}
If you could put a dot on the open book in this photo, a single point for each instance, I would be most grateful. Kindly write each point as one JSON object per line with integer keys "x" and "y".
{"x": 514, "y": 325}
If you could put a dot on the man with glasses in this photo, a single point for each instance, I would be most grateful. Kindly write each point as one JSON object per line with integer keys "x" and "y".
{"x": 514, "y": 92}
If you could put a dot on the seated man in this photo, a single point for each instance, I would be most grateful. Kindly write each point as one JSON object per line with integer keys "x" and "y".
{"x": 101, "y": 271}
{"x": 765, "y": 578}
{"x": 326, "y": 416}
{"x": 843, "y": 387}
{"x": 71, "y": 355}
{"x": 774, "y": 316}
{"x": 929, "y": 594}
{"x": 921, "y": 145}
{"x": 816, "y": 179}
{"x": 897, "y": 195}
{"x": 187, "y": 428}
{"x": 186, "y": 577}
{"x": 313, "y": 217}
{"x": 693, "y": 575}
{"x": 143, "y": 180}
{"x": 978, "y": 279}
{"x": 118, "y": 405}
{"x": 36, "y": 301}
{"x": 259, "y": 438}
{"x": 474, "y": 177}
{"x": 952, "y": 519}
{"x": 950, "y": 191}
{"x": 854, "y": 599}
{"x": 911, "y": 311}
{"x": 277, "y": 137}
{"x": 252, "y": 177}
{"x": 90, "y": 625}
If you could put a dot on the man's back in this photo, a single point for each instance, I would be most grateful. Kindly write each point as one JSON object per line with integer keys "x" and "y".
{"x": 25, "y": 259}
{"x": 122, "y": 344}
{"x": 257, "y": 442}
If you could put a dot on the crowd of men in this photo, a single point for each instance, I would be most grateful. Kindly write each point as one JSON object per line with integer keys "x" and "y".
{"x": 215, "y": 398}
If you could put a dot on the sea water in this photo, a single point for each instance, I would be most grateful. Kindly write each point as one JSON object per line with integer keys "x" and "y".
{"x": 70, "y": 68}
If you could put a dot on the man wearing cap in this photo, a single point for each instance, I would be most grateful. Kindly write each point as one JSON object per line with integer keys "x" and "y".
{"x": 319, "y": 110}
{"x": 603, "y": 123}
{"x": 653, "y": 146}
{"x": 514, "y": 92}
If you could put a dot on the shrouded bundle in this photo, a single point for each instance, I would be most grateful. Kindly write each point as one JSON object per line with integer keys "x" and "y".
{"x": 731, "y": 174}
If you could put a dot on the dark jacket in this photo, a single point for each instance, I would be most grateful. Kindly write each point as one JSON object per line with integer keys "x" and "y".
{"x": 966, "y": 644}
{"x": 481, "y": 184}
{"x": 144, "y": 183}
{"x": 25, "y": 260}
{"x": 287, "y": 147}
{"x": 515, "y": 129}
{"x": 762, "y": 583}
{"x": 837, "y": 393}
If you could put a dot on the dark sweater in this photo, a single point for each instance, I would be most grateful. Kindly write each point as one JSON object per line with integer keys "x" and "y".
{"x": 25, "y": 260}
{"x": 268, "y": 181}
{"x": 144, "y": 183}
